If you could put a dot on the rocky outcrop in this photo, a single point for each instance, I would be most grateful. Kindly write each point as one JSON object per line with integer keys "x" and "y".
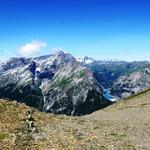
{"x": 55, "y": 83}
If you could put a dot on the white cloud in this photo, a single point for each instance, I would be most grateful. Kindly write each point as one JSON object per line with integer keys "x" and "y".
{"x": 31, "y": 49}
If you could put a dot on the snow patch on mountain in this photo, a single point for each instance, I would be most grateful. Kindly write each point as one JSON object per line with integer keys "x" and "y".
{"x": 85, "y": 60}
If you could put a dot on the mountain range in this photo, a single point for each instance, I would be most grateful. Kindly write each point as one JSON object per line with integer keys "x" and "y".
{"x": 120, "y": 77}
{"x": 61, "y": 84}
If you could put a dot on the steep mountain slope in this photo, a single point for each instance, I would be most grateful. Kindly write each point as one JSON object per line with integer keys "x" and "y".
{"x": 122, "y": 126}
{"x": 132, "y": 82}
{"x": 54, "y": 83}
{"x": 122, "y": 78}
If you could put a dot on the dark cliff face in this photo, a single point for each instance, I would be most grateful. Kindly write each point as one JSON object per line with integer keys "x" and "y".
{"x": 55, "y": 83}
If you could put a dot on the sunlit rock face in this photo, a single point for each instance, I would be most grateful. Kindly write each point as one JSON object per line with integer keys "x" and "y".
{"x": 54, "y": 83}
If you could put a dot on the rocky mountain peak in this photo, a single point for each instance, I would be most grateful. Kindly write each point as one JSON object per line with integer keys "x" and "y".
{"x": 55, "y": 83}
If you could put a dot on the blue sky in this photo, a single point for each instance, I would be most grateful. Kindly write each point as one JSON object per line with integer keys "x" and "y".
{"x": 103, "y": 29}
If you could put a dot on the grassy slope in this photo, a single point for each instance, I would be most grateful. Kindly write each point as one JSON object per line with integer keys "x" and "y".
{"x": 122, "y": 126}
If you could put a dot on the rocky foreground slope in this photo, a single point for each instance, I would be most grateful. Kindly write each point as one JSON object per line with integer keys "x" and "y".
{"x": 55, "y": 83}
{"x": 122, "y": 126}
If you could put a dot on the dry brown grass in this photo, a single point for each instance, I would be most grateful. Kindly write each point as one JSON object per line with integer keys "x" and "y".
{"x": 122, "y": 126}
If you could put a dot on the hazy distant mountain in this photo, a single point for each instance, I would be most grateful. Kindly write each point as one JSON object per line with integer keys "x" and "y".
{"x": 122, "y": 78}
{"x": 54, "y": 83}
{"x": 132, "y": 82}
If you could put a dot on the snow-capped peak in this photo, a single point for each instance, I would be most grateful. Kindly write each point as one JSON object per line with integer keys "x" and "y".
{"x": 86, "y": 60}
{"x": 38, "y": 69}
{"x": 80, "y": 59}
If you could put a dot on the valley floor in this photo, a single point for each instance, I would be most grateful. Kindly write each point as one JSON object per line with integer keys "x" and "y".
{"x": 122, "y": 126}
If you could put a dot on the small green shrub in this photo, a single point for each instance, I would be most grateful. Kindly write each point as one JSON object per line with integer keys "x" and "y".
{"x": 64, "y": 82}
{"x": 2, "y": 136}
{"x": 2, "y": 107}
{"x": 81, "y": 74}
